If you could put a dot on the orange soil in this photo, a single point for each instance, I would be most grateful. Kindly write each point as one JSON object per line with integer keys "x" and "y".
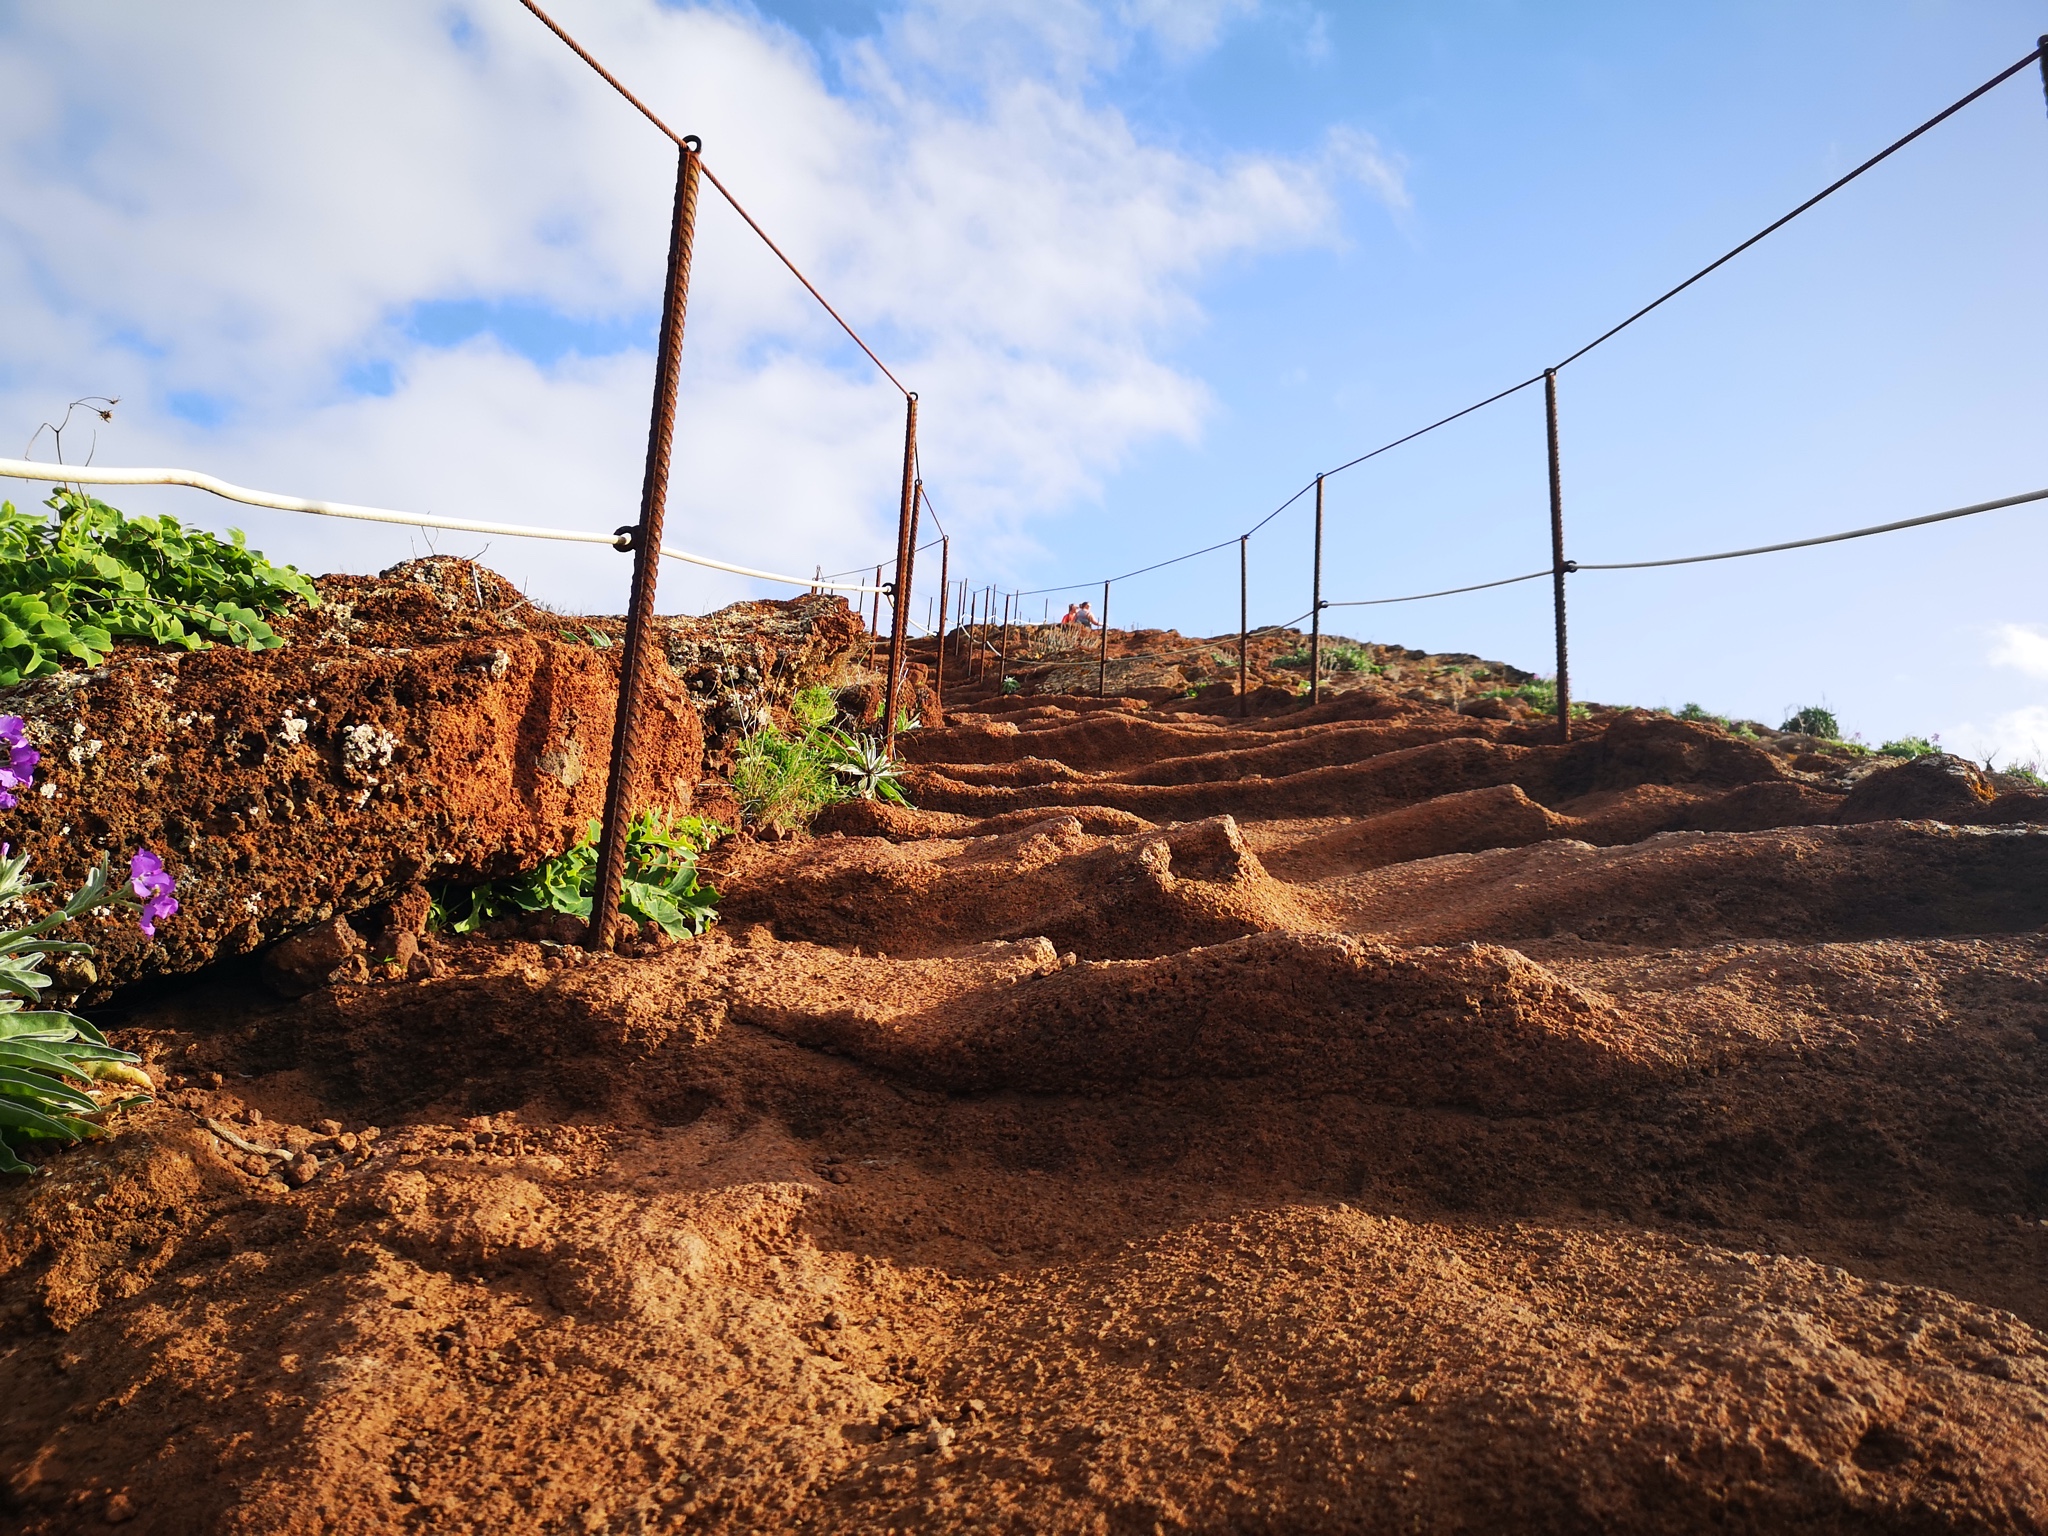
{"x": 1369, "y": 1118}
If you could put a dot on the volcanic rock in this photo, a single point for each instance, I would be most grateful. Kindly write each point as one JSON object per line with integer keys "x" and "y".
{"x": 425, "y": 724}
{"x": 1936, "y": 787}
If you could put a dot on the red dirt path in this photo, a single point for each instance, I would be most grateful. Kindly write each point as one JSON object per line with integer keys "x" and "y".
{"x": 1379, "y": 1118}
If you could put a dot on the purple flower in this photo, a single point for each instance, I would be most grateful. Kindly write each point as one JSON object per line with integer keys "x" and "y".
{"x": 18, "y": 772}
{"x": 154, "y": 887}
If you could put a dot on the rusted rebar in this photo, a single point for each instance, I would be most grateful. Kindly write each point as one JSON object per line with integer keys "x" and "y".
{"x": 636, "y": 655}
{"x": 1315, "y": 620}
{"x": 939, "y": 672}
{"x": 1558, "y": 564}
{"x": 1102, "y": 655}
{"x": 906, "y": 549}
{"x": 1244, "y": 611}
{"x": 1003, "y": 658}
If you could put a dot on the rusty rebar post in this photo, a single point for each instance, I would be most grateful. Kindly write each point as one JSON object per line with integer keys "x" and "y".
{"x": 2043, "y": 46}
{"x": 906, "y": 548}
{"x": 1559, "y": 566}
{"x": 1003, "y": 661}
{"x": 1244, "y": 619}
{"x": 1102, "y": 656}
{"x": 636, "y": 654}
{"x": 1315, "y": 620}
{"x": 875, "y": 623}
{"x": 939, "y": 672}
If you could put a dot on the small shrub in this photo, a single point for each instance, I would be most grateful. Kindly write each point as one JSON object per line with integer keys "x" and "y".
{"x": 784, "y": 781}
{"x": 865, "y": 769}
{"x": 74, "y": 583}
{"x": 813, "y": 708}
{"x": 1908, "y": 747}
{"x": 1814, "y": 720}
{"x": 1338, "y": 656}
{"x": 661, "y": 882}
{"x": 1540, "y": 695}
{"x": 1011, "y": 686}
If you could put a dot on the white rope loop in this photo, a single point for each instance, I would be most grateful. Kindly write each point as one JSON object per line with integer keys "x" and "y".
{"x": 87, "y": 474}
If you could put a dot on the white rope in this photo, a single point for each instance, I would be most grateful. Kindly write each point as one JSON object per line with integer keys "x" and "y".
{"x": 83, "y": 474}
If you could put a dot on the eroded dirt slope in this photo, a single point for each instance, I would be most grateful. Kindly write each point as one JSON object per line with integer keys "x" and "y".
{"x": 1369, "y": 1117}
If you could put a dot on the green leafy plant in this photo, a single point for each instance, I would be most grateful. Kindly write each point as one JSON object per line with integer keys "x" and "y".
{"x": 784, "y": 781}
{"x": 1342, "y": 656}
{"x": 661, "y": 885}
{"x": 51, "y": 1060}
{"x": 73, "y": 583}
{"x": 1338, "y": 656}
{"x": 1909, "y": 747}
{"x": 1540, "y": 695}
{"x": 1011, "y": 686}
{"x": 865, "y": 769}
{"x": 1814, "y": 720}
{"x": 813, "y": 708}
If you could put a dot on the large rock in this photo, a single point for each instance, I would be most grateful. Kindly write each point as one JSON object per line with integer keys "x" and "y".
{"x": 425, "y": 724}
{"x": 1936, "y": 787}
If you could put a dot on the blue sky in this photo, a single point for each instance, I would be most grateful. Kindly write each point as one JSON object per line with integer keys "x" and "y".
{"x": 1151, "y": 266}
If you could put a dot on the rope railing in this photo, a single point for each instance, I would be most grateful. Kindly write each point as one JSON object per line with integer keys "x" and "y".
{"x": 2039, "y": 55}
{"x": 1726, "y": 554}
{"x": 83, "y": 474}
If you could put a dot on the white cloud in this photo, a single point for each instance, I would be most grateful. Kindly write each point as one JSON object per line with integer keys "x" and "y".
{"x": 230, "y": 205}
{"x": 2022, "y": 646}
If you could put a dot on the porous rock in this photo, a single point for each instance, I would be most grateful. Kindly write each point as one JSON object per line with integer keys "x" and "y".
{"x": 425, "y": 724}
{"x": 1936, "y": 787}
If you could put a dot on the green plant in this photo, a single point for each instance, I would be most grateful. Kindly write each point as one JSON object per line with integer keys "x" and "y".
{"x": 661, "y": 882}
{"x": 814, "y": 707}
{"x": 1011, "y": 686}
{"x": 1814, "y": 720}
{"x": 1908, "y": 747}
{"x": 49, "y": 1059}
{"x": 1540, "y": 695}
{"x": 784, "y": 781}
{"x": 2030, "y": 772}
{"x": 74, "y": 583}
{"x": 864, "y": 767}
{"x": 1343, "y": 656}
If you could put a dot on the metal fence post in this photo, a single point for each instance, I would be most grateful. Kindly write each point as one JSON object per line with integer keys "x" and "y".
{"x": 636, "y": 655}
{"x": 1559, "y": 566}
{"x": 1102, "y": 658}
{"x": 939, "y": 673}
{"x": 1003, "y": 658}
{"x": 2043, "y": 46}
{"x": 906, "y": 553}
{"x": 1315, "y": 621}
{"x": 875, "y": 623}
{"x": 1244, "y": 609}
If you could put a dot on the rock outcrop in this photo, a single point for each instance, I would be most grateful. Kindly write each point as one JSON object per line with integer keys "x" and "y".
{"x": 423, "y": 725}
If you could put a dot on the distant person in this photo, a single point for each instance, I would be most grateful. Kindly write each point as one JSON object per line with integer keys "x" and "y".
{"x": 1069, "y": 618}
{"x": 1085, "y": 616}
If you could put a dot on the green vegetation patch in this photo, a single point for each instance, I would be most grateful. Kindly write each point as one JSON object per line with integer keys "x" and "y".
{"x": 1338, "y": 656}
{"x": 1540, "y": 695}
{"x": 1908, "y": 747}
{"x": 661, "y": 886}
{"x": 784, "y": 779}
{"x": 73, "y": 583}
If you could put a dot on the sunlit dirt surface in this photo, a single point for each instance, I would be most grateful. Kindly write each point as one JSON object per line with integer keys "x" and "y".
{"x": 1364, "y": 1119}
